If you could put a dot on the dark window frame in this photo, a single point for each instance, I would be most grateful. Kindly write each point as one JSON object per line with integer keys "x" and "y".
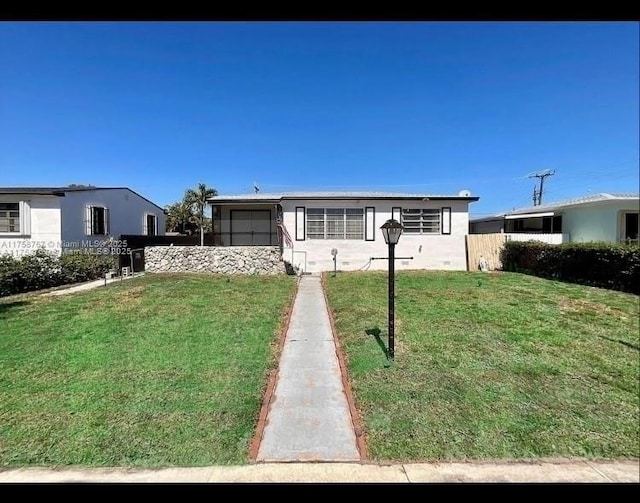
{"x": 151, "y": 229}
{"x": 7, "y": 217}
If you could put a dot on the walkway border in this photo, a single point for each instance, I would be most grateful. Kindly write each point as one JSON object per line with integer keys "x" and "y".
{"x": 267, "y": 398}
{"x": 356, "y": 420}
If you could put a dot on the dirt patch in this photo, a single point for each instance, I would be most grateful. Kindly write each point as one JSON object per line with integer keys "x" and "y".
{"x": 124, "y": 300}
{"x": 569, "y": 305}
{"x": 132, "y": 297}
{"x": 135, "y": 291}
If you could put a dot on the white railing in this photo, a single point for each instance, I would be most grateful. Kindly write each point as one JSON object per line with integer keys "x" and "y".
{"x": 553, "y": 239}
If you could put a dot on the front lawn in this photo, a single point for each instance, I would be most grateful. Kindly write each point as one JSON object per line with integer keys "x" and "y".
{"x": 487, "y": 366}
{"x": 162, "y": 370}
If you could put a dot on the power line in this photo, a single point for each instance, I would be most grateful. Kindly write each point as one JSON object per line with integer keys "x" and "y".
{"x": 537, "y": 193}
{"x": 608, "y": 173}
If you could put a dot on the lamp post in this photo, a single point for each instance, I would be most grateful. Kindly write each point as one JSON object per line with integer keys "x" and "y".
{"x": 391, "y": 231}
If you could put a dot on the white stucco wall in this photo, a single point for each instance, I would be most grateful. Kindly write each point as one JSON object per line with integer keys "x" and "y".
{"x": 438, "y": 252}
{"x": 126, "y": 214}
{"x": 596, "y": 223}
{"x": 43, "y": 228}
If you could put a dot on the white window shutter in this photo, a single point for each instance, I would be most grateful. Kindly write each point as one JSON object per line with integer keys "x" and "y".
{"x": 107, "y": 226}
{"x": 88, "y": 219}
{"x": 370, "y": 223}
{"x": 300, "y": 224}
{"x": 144, "y": 224}
{"x": 25, "y": 218}
{"x": 446, "y": 220}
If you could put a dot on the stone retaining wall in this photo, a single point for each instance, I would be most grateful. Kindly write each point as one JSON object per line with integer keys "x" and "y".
{"x": 221, "y": 259}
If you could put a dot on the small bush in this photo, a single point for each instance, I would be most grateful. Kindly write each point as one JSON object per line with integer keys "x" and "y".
{"x": 44, "y": 269}
{"x": 35, "y": 271}
{"x": 8, "y": 274}
{"x": 606, "y": 265}
{"x": 77, "y": 267}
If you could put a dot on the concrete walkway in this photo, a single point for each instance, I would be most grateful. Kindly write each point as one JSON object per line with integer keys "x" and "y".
{"x": 309, "y": 417}
{"x": 90, "y": 285}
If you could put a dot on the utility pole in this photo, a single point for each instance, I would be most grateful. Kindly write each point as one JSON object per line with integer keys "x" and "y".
{"x": 537, "y": 194}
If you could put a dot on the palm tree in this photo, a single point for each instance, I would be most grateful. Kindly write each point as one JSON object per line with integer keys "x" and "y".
{"x": 197, "y": 199}
{"x": 179, "y": 216}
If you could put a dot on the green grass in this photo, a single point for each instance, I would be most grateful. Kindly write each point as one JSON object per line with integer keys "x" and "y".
{"x": 170, "y": 370}
{"x": 154, "y": 371}
{"x": 491, "y": 366}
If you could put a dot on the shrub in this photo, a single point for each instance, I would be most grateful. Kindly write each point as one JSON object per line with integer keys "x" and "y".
{"x": 44, "y": 269}
{"x": 34, "y": 271}
{"x": 607, "y": 265}
{"x": 78, "y": 267}
{"x": 8, "y": 274}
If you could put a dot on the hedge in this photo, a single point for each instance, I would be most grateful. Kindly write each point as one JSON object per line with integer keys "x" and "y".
{"x": 43, "y": 269}
{"x": 606, "y": 265}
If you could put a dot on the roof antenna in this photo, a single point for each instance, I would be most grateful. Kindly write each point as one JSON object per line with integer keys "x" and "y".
{"x": 255, "y": 187}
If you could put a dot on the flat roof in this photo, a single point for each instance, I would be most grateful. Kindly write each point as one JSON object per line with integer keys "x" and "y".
{"x": 342, "y": 195}
{"x": 549, "y": 208}
{"x": 603, "y": 197}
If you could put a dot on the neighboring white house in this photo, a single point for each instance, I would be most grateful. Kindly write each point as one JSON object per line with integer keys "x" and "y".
{"x": 597, "y": 217}
{"x": 309, "y": 226}
{"x": 73, "y": 218}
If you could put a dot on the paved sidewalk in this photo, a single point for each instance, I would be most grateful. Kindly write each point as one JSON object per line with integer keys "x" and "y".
{"x": 558, "y": 471}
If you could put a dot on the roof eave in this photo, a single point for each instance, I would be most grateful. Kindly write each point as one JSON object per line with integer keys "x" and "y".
{"x": 217, "y": 200}
{"x": 560, "y": 207}
{"x": 56, "y": 193}
{"x": 243, "y": 201}
{"x": 495, "y": 218}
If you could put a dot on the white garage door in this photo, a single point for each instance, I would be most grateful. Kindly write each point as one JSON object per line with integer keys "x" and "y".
{"x": 250, "y": 227}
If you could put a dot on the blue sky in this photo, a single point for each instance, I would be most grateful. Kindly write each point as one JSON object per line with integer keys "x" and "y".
{"x": 429, "y": 107}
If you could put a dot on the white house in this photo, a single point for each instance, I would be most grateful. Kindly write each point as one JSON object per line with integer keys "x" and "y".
{"x": 596, "y": 217}
{"x": 73, "y": 218}
{"x": 308, "y": 226}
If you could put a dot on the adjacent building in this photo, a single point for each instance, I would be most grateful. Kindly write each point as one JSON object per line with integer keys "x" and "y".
{"x": 596, "y": 217}
{"x": 60, "y": 218}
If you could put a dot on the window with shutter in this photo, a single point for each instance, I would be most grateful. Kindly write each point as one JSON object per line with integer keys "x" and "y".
{"x": 96, "y": 221}
{"x": 421, "y": 221}
{"x": 9, "y": 217}
{"x": 150, "y": 224}
{"x": 335, "y": 223}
